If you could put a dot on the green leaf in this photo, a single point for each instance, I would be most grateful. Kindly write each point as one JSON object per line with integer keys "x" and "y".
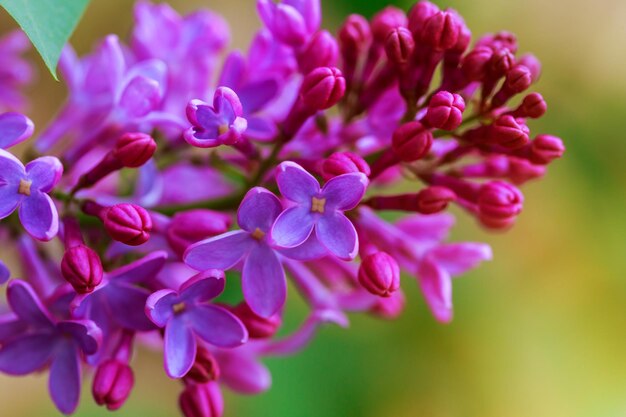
{"x": 48, "y": 24}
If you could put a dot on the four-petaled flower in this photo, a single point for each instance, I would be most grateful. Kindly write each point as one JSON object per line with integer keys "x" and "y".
{"x": 186, "y": 314}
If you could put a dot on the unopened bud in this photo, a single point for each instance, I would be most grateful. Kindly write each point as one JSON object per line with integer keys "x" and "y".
{"x": 546, "y": 148}
{"x": 509, "y": 132}
{"x": 202, "y": 400}
{"x": 320, "y": 51}
{"x": 445, "y": 111}
{"x": 134, "y": 149}
{"x": 128, "y": 223}
{"x": 399, "y": 46}
{"x": 205, "y": 368}
{"x": 419, "y": 14}
{"x": 441, "y": 31}
{"x": 343, "y": 163}
{"x": 82, "y": 268}
{"x": 112, "y": 384}
{"x": 474, "y": 64}
{"x": 385, "y": 21}
{"x": 434, "y": 199}
{"x": 322, "y": 88}
{"x": 499, "y": 204}
{"x": 379, "y": 274}
{"x": 411, "y": 141}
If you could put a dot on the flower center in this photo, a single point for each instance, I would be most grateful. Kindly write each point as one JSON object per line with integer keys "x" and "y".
{"x": 258, "y": 234}
{"x": 179, "y": 307}
{"x": 24, "y": 187}
{"x": 221, "y": 129}
{"x": 317, "y": 205}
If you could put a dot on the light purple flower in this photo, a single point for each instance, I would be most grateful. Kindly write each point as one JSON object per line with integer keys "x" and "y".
{"x": 186, "y": 315}
{"x": 14, "y": 128}
{"x": 58, "y": 343}
{"x": 27, "y": 188}
{"x": 292, "y": 22}
{"x": 319, "y": 209}
{"x": 217, "y": 124}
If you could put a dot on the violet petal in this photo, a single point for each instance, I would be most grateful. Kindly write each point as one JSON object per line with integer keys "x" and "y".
{"x": 338, "y": 235}
{"x": 263, "y": 281}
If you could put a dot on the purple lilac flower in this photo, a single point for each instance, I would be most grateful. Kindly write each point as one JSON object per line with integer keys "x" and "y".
{"x": 15, "y": 71}
{"x": 48, "y": 342}
{"x": 27, "y": 188}
{"x": 14, "y": 128}
{"x": 186, "y": 314}
{"x": 291, "y": 21}
{"x": 319, "y": 209}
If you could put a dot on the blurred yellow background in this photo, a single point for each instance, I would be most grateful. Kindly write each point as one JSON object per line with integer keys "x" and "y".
{"x": 540, "y": 331}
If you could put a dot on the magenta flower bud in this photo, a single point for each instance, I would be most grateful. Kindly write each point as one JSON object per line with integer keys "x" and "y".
{"x": 112, "y": 384}
{"x": 385, "y": 21}
{"x": 205, "y": 368}
{"x": 474, "y": 64}
{"x": 258, "y": 327}
{"x": 441, "y": 31}
{"x": 390, "y": 307}
{"x": 411, "y": 141}
{"x": 134, "y": 149}
{"x": 128, "y": 223}
{"x": 433, "y": 199}
{"x": 399, "y": 46}
{"x": 501, "y": 61}
{"x": 533, "y": 64}
{"x": 546, "y": 148}
{"x": 499, "y": 204}
{"x": 499, "y": 40}
{"x": 354, "y": 35}
{"x": 191, "y": 226}
{"x": 343, "y": 163}
{"x": 419, "y": 14}
{"x": 445, "y": 111}
{"x": 522, "y": 170}
{"x": 322, "y": 88}
{"x": 321, "y": 51}
{"x": 533, "y": 106}
{"x": 509, "y": 132}
{"x": 82, "y": 268}
{"x": 518, "y": 79}
{"x": 202, "y": 400}
{"x": 379, "y": 274}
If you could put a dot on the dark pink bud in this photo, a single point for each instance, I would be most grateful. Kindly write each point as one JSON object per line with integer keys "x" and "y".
{"x": 546, "y": 148}
{"x": 445, "y": 111}
{"x": 112, "y": 384}
{"x": 475, "y": 63}
{"x": 354, "y": 35}
{"x": 522, "y": 170}
{"x": 399, "y": 46}
{"x": 82, "y": 268}
{"x": 509, "y": 132}
{"x": 499, "y": 40}
{"x": 202, "y": 400}
{"x": 379, "y": 274}
{"x": 411, "y": 141}
{"x": 465, "y": 35}
{"x": 128, "y": 223}
{"x": 533, "y": 64}
{"x": 441, "y": 31}
{"x": 390, "y": 307}
{"x": 533, "y": 106}
{"x": 501, "y": 61}
{"x": 134, "y": 149}
{"x": 205, "y": 368}
{"x": 321, "y": 51}
{"x": 419, "y": 14}
{"x": 191, "y": 226}
{"x": 343, "y": 163}
{"x": 499, "y": 204}
{"x": 518, "y": 79}
{"x": 322, "y": 88}
{"x": 258, "y": 327}
{"x": 434, "y": 199}
{"x": 385, "y": 21}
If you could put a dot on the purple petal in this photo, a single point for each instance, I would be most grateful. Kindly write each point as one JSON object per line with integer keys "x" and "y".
{"x": 256, "y": 95}
{"x": 233, "y": 70}
{"x": 26, "y": 304}
{"x": 179, "y": 347}
{"x": 344, "y": 192}
{"x": 459, "y": 258}
{"x": 296, "y": 184}
{"x": 10, "y": 327}
{"x": 258, "y": 209}
{"x": 293, "y": 227}
{"x": 431, "y": 228}
{"x": 26, "y": 354}
{"x": 11, "y": 173}
{"x": 227, "y": 104}
{"x": 127, "y": 303}
{"x": 219, "y": 252}
{"x": 242, "y": 372}
{"x": 217, "y": 326}
{"x": 263, "y": 281}
{"x": 202, "y": 287}
{"x": 310, "y": 250}
{"x": 105, "y": 67}
{"x": 261, "y": 128}
{"x": 39, "y": 216}
{"x": 310, "y": 11}
{"x": 14, "y": 128}
{"x": 85, "y": 332}
{"x": 140, "y": 271}
{"x": 5, "y": 274}
{"x": 44, "y": 172}
{"x": 338, "y": 235}
{"x": 159, "y": 306}
{"x": 64, "y": 382}
{"x": 436, "y": 286}
{"x": 140, "y": 96}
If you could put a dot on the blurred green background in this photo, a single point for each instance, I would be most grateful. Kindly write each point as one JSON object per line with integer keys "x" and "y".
{"x": 540, "y": 331}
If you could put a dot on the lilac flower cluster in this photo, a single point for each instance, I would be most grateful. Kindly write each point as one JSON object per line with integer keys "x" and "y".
{"x": 303, "y": 141}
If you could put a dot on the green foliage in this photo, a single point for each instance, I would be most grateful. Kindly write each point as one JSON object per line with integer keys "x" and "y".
{"x": 48, "y": 24}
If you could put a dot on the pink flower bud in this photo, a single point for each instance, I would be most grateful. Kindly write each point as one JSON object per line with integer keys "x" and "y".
{"x": 419, "y": 14}
{"x": 322, "y": 88}
{"x": 320, "y": 51}
{"x": 354, "y": 35}
{"x": 509, "y": 132}
{"x": 533, "y": 64}
{"x": 546, "y": 148}
{"x": 434, "y": 199}
{"x": 399, "y": 46}
{"x": 134, "y": 149}
{"x": 501, "y": 61}
{"x": 112, "y": 384}
{"x": 205, "y": 368}
{"x": 441, "y": 31}
{"x": 385, "y": 21}
{"x": 128, "y": 223}
{"x": 411, "y": 141}
{"x": 191, "y": 226}
{"x": 445, "y": 111}
{"x": 533, "y": 106}
{"x": 499, "y": 204}
{"x": 518, "y": 79}
{"x": 258, "y": 327}
{"x": 475, "y": 63}
{"x": 202, "y": 400}
{"x": 499, "y": 40}
{"x": 522, "y": 170}
{"x": 390, "y": 307}
{"x": 343, "y": 163}
{"x": 82, "y": 268}
{"x": 379, "y": 274}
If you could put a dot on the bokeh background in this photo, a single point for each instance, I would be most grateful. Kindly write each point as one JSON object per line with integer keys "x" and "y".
{"x": 540, "y": 331}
